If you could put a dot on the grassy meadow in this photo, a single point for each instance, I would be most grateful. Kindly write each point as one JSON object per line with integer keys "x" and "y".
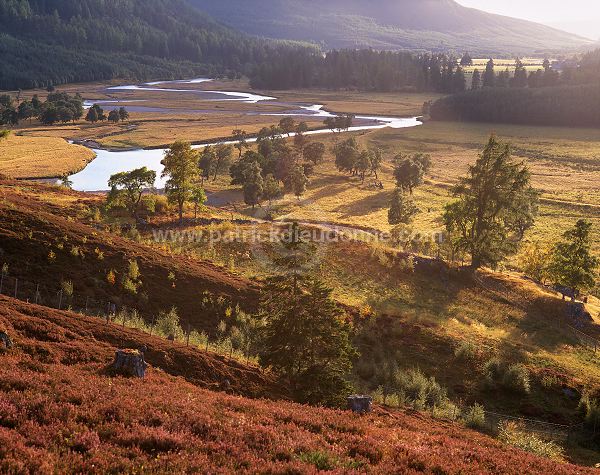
{"x": 41, "y": 157}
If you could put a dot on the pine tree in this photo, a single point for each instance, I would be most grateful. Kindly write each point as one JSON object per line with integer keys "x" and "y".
{"x": 572, "y": 264}
{"x": 272, "y": 189}
{"x": 490, "y": 201}
{"x": 306, "y": 338}
{"x": 520, "y": 76}
{"x": 128, "y": 187}
{"x": 298, "y": 181}
{"x": 489, "y": 76}
{"x": 409, "y": 171}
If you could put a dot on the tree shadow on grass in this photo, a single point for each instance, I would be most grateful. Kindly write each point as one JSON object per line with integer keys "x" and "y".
{"x": 365, "y": 205}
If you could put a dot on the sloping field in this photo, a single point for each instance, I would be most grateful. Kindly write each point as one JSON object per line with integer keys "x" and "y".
{"x": 43, "y": 244}
{"x": 60, "y": 412}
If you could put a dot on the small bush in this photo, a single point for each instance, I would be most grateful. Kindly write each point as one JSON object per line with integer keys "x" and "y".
{"x": 466, "y": 351}
{"x": 167, "y": 324}
{"x": 475, "y": 417}
{"x": 516, "y": 378}
{"x": 492, "y": 372}
{"x": 512, "y": 434}
{"x": 420, "y": 391}
{"x": 321, "y": 460}
{"x": 67, "y": 288}
{"x": 590, "y": 409}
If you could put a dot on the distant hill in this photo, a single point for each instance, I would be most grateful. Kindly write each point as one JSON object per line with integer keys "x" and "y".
{"x": 431, "y": 25}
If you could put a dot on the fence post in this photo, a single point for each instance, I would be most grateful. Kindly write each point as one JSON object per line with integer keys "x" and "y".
{"x": 60, "y": 295}
{"x": 1, "y": 282}
{"x": 16, "y": 287}
{"x": 37, "y": 293}
{"x": 87, "y": 298}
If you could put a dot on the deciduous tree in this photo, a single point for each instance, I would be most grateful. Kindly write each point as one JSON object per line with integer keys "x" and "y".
{"x": 181, "y": 170}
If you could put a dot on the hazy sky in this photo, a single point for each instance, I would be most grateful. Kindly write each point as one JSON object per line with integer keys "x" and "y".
{"x": 578, "y": 16}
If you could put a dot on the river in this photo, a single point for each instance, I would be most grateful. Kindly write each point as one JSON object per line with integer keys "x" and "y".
{"x": 95, "y": 176}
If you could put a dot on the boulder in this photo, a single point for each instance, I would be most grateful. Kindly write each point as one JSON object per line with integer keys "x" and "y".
{"x": 5, "y": 341}
{"x": 360, "y": 404}
{"x": 129, "y": 363}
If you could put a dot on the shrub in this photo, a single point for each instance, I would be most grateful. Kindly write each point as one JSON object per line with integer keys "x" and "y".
{"x": 67, "y": 288}
{"x": 516, "y": 378}
{"x": 420, "y": 391}
{"x": 321, "y": 460}
{"x": 492, "y": 372}
{"x": 466, "y": 350}
{"x": 512, "y": 434}
{"x": 167, "y": 324}
{"x": 475, "y": 417}
{"x": 590, "y": 409}
{"x": 162, "y": 204}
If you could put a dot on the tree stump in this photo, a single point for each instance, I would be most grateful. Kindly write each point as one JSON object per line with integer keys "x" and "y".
{"x": 129, "y": 363}
{"x": 5, "y": 341}
{"x": 360, "y": 404}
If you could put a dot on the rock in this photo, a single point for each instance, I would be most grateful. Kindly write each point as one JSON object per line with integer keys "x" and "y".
{"x": 129, "y": 363}
{"x": 360, "y": 404}
{"x": 5, "y": 341}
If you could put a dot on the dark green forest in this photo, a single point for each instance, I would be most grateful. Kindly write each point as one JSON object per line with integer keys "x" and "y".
{"x": 569, "y": 97}
{"x": 51, "y": 42}
{"x": 560, "y": 106}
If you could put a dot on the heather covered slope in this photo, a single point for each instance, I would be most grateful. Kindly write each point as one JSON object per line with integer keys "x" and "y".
{"x": 429, "y": 25}
{"x": 44, "y": 241}
{"x": 60, "y": 412}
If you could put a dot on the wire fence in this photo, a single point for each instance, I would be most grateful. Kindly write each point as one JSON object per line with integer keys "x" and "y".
{"x": 64, "y": 298}
{"x": 61, "y": 298}
{"x": 542, "y": 429}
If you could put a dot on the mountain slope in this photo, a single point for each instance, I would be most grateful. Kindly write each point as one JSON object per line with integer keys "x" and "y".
{"x": 50, "y": 42}
{"x": 61, "y": 413}
{"x": 432, "y": 25}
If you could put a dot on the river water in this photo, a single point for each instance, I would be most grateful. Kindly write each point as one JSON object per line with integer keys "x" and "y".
{"x": 95, "y": 176}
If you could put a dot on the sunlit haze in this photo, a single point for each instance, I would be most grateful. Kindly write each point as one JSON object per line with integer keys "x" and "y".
{"x": 577, "y": 16}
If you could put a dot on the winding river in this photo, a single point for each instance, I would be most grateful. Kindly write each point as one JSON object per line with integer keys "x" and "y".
{"x": 95, "y": 176}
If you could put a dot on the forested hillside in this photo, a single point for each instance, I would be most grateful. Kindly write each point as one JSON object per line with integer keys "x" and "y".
{"x": 417, "y": 25}
{"x": 49, "y": 42}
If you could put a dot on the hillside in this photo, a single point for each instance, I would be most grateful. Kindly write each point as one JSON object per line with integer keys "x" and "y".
{"x": 422, "y": 25}
{"x": 60, "y": 248}
{"x": 56, "y": 41}
{"x": 94, "y": 423}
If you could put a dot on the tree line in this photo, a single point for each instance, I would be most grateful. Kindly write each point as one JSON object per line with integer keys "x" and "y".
{"x": 58, "y": 107}
{"x": 366, "y": 70}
